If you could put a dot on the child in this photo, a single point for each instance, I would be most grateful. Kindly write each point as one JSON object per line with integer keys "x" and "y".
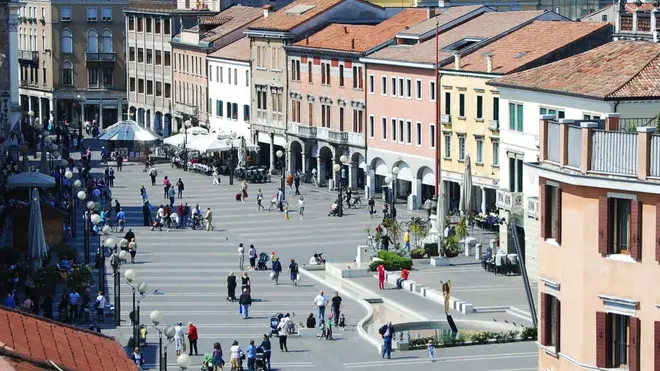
{"x": 328, "y": 331}
{"x": 431, "y": 349}
{"x": 342, "y": 321}
{"x": 301, "y": 206}
{"x": 286, "y": 212}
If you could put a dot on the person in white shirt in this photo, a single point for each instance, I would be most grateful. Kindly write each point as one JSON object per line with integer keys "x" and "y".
{"x": 301, "y": 206}
{"x": 319, "y": 302}
{"x": 216, "y": 177}
{"x": 179, "y": 334}
{"x": 235, "y": 357}
{"x": 100, "y": 305}
{"x": 241, "y": 256}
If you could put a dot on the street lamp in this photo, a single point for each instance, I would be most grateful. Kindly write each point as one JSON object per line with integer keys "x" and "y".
{"x": 187, "y": 124}
{"x": 81, "y": 101}
{"x": 230, "y": 141}
{"x": 142, "y": 289}
{"x": 156, "y": 318}
{"x": 279, "y": 155}
{"x": 122, "y": 255}
{"x": 72, "y": 212}
{"x": 100, "y": 256}
{"x": 87, "y": 219}
{"x": 391, "y": 180}
{"x": 183, "y": 361}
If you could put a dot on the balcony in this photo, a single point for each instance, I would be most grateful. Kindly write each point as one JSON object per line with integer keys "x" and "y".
{"x": 100, "y": 57}
{"x": 532, "y": 207}
{"x": 510, "y": 201}
{"x": 445, "y": 120}
{"x": 186, "y": 109}
{"x": 28, "y": 56}
{"x": 493, "y": 125}
{"x": 302, "y": 131}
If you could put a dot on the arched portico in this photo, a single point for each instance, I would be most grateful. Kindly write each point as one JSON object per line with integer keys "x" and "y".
{"x": 297, "y": 154}
{"x": 325, "y": 163}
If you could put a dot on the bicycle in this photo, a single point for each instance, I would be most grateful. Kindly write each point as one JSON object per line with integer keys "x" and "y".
{"x": 372, "y": 244}
{"x": 275, "y": 204}
{"x": 355, "y": 202}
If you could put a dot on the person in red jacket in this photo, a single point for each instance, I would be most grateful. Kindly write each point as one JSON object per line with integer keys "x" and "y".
{"x": 192, "y": 337}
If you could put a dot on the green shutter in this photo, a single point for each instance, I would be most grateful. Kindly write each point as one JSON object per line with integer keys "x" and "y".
{"x": 544, "y": 111}
{"x": 512, "y": 116}
{"x": 520, "y": 117}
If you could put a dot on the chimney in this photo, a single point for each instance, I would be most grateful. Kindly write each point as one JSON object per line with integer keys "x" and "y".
{"x": 457, "y": 60}
{"x": 431, "y": 12}
{"x": 635, "y": 19}
{"x": 307, "y": 40}
{"x": 352, "y": 43}
{"x": 345, "y": 29}
{"x": 444, "y": 3}
{"x": 489, "y": 63}
{"x": 267, "y": 10}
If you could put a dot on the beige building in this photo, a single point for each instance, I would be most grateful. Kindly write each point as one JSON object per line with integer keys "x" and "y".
{"x": 191, "y": 74}
{"x": 71, "y": 60}
{"x": 269, "y": 71}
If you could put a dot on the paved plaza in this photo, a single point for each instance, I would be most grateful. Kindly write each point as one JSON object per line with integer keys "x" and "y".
{"x": 189, "y": 269}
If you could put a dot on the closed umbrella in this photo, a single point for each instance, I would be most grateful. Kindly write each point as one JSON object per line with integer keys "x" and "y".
{"x": 466, "y": 189}
{"x": 25, "y": 167}
{"x": 36, "y": 238}
{"x": 43, "y": 164}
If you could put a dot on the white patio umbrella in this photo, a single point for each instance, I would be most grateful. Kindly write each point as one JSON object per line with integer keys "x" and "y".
{"x": 209, "y": 144}
{"x": 36, "y": 238}
{"x": 466, "y": 188}
{"x": 197, "y": 130}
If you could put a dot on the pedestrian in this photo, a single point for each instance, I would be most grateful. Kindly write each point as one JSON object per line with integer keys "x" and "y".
{"x": 277, "y": 268}
{"x": 180, "y": 187}
{"x": 192, "y": 338}
{"x": 266, "y": 348}
{"x": 146, "y": 214}
{"x": 166, "y": 186}
{"x": 209, "y": 219}
{"x": 336, "y": 308}
{"x": 406, "y": 240}
{"x": 286, "y": 212}
{"x": 301, "y": 206}
{"x": 381, "y": 276}
{"x": 241, "y": 256}
{"x": 293, "y": 272}
{"x": 172, "y": 194}
{"x": 245, "y": 301}
{"x": 216, "y": 177}
{"x": 431, "y": 349}
{"x": 251, "y": 356}
{"x": 100, "y": 306}
{"x": 244, "y": 187}
{"x": 280, "y": 199}
{"x": 218, "y": 362}
{"x": 283, "y": 333}
{"x": 386, "y": 332}
{"x": 137, "y": 358}
{"x": 120, "y": 162}
{"x": 231, "y": 287}
{"x": 235, "y": 356}
{"x": 252, "y": 254}
{"x": 289, "y": 184}
{"x": 245, "y": 282}
{"x": 260, "y": 197}
{"x": 296, "y": 183}
{"x": 143, "y": 194}
{"x": 178, "y": 338}
{"x": 319, "y": 302}
{"x": 48, "y": 306}
{"x": 153, "y": 173}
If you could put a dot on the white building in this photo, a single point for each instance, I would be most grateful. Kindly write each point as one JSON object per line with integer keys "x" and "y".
{"x": 588, "y": 87}
{"x": 229, "y": 88}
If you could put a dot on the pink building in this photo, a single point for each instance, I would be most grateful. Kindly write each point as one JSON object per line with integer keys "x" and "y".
{"x": 328, "y": 88}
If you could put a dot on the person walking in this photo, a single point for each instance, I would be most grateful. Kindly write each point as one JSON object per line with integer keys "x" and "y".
{"x": 381, "y": 276}
{"x": 431, "y": 349}
{"x": 282, "y": 335}
{"x": 218, "y": 362}
{"x": 277, "y": 268}
{"x": 406, "y": 240}
{"x": 209, "y": 219}
{"x": 251, "y": 356}
{"x": 146, "y": 214}
{"x": 216, "y": 177}
{"x": 192, "y": 338}
{"x": 137, "y": 358}
{"x": 266, "y": 347}
{"x": 319, "y": 302}
{"x": 172, "y": 194}
{"x": 132, "y": 249}
{"x": 144, "y": 194}
{"x": 296, "y": 183}
{"x": 293, "y": 272}
{"x": 245, "y": 282}
{"x": 286, "y": 212}
{"x": 387, "y": 331}
{"x": 301, "y": 206}
{"x": 100, "y": 306}
{"x": 231, "y": 287}
{"x": 178, "y": 338}
{"x": 180, "y": 187}
{"x": 244, "y": 188}
{"x": 280, "y": 199}
{"x": 252, "y": 254}
{"x": 166, "y": 186}
{"x": 153, "y": 173}
{"x": 260, "y": 197}
{"x": 245, "y": 301}
{"x": 336, "y": 308}
{"x": 235, "y": 356}
{"x": 241, "y": 256}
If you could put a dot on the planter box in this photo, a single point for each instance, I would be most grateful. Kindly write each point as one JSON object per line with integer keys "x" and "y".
{"x": 451, "y": 254}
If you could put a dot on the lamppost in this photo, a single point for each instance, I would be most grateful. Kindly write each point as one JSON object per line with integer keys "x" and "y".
{"x": 107, "y": 243}
{"x": 69, "y": 175}
{"x": 81, "y": 101}
{"x": 280, "y": 156}
{"x": 142, "y": 289}
{"x": 183, "y": 361}
{"x": 122, "y": 255}
{"x": 391, "y": 180}
{"x": 156, "y": 318}
{"x": 89, "y": 218}
{"x": 31, "y": 116}
{"x": 337, "y": 169}
{"x": 230, "y": 141}
{"x": 186, "y": 125}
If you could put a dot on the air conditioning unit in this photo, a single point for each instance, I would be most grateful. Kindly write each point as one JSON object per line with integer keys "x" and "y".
{"x": 493, "y": 125}
{"x": 445, "y": 119}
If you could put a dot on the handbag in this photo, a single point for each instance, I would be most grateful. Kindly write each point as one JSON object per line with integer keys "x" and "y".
{"x": 298, "y": 277}
{"x": 240, "y": 309}
{"x": 272, "y": 275}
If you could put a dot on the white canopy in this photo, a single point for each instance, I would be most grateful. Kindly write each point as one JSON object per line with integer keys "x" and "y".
{"x": 197, "y": 130}
{"x": 211, "y": 143}
{"x": 178, "y": 139}
{"x": 30, "y": 179}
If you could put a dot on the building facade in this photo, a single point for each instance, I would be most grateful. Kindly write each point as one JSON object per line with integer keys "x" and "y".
{"x": 149, "y": 28}
{"x": 229, "y": 89}
{"x": 72, "y": 61}
{"x": 599, "y": 231}
{"x": 10, "y": 109}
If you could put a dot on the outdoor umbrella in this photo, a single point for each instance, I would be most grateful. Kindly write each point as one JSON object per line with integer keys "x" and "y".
{"x": 466, "y": 189}
{"x": 197, "y": 130}
{"x": 43, "y": 164}
{"x": 36, "y": 238}
{"x": 128, "y": 130}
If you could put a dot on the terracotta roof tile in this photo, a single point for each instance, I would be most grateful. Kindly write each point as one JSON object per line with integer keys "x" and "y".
{"x": 631, "y": 7}
{"x": 283, "y": 20}
{"x": 238, "y": 51}
{"x": 524, "y": 46}
{"x": 620, "y": 69}
{"x": 361, "y": 38}
{"x": 443, "y": 16}
{"x": 482, "y": 27}
{"x": 35, "y": 338}
{"x": 233, "y": 19}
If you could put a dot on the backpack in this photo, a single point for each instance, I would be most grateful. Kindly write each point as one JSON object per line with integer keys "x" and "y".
{"x": 295, "y": 268}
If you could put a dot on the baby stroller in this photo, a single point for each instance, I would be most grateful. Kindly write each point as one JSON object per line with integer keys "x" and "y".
{"x": 259, "y": 364}
{"x": 207, "y": 362}
{"x": 274, "y": 322}
{"x": 261, "y": 264}
{"x": 157, "y": 223}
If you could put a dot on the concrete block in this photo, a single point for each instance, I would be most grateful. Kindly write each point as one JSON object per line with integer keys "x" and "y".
{"x": 307, "y": 332}
{"x": 477, "y": 251}
{"x": 400, "y": 345}
{"x": 467, "y": 308}
{"x": 363, "y": 255}
{"x": 439, "y": 261}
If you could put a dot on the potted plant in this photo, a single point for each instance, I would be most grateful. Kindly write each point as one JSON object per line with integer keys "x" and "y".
{"x": 451, "y": 248}
{"x": 43, "y": 21}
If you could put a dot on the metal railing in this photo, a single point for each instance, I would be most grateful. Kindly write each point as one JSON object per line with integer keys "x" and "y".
{"x": 614, "y": 152}
{"x": 574, "y": 146}
{"x": 100, "y": 57}
{"x": 654, "y": 164}
{"x": 631, "y": 124}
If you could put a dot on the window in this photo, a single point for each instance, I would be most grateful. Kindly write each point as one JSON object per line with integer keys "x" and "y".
{"x": 325, "y": 73}
{"x": 106, "y": 14}
{"x": 589, "y": 116}
{"x": 92, "y": 41}
{"x": 401, "y": 87}
{"x": 394, "y": 86}
{"x": 394, "y": 131}
{"x": 418, "y": 132}
{"x": 618, "y": 335}
{"x": 140, "y": 55}
{"x": 234, "y": 111}
{"x": 552, "y": 222}
{"x": 235, "y": 76}
{"x": 229, "y": 76}
{"x": 516, "y": 116}
{"x": 401, "y": 132}
{"x": 150, "y": 87}
{"x": 218, "y": 108}
{"x": 515, "y": 174}
{"x": 383, "y": 128}
{"x": 67, "y": 42}
{"x": 355, "y": 77}
{"x": 131, "y": 23}
{"x": 496, "y": 152}
{"x": 360, "y": 79}
{"x": 247, "y": 77}
{"x": 147, "y": 25}
{"x": 461, "y": 105}
{"x": 341, "y": 75}
{"x": 372, "y": 82}
{"x": 310, "y": 113}
{"x": 229, "y": 115}
{"x": 92, "y": 14}
{"x": 159, "y": 57}
{"x": 341, "y": 118}
{"x": 447, "y": 137}
{"x": 309, "y": 71}
{"x": 65, "y": 14}
{"x": 619, "y": 227}
{"x": 141, "y": 86}
{"x": 93, "y": 77}
{"x": 557, "y": 113}
{"x": 447, "y": 103}
{"x": 168, "y": 90}
{"x": 131, "y": 84}
{"x": 67, "y": 73}
{"x": 432, "y": 135}
{"x": 166, "y": 26}
{"x": 139, "y": 24}
{"x": 157, "y": 26}
{"x": 408, "y": 132}
{"x": 159, "y": 90}
{"x": 372, "y": 126}
{"x": 295, "y": 70}
{"x": 461, "y": 147}
{"x": 295, "y": 111}
{"x": 131, "y": 53}
{"x": 496, "y": 108}
{"x": 246, "y": 112}
{"x": 409, "y": 88}
{"x": 325, "y": 115}
{"x": 480, "y": 107}
{"x": 550, "y": 328}
{"x": 432, "y": 91}
{"x": 383, "y": 85}
{"x": 106, "y": 42}
{"x": 167, "y": 59}
{"x": 603, "y": 18}
{"x": 418, "y": 89}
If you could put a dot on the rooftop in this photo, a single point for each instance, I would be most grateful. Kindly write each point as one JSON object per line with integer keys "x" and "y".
{"x": 614, "y": 71}
{"x": 484, "y": 26}
{"x": 237, "y": 51}
{"x": 442, "y": 16}
{"x": 231, "y": 20}
{"x": 36, "y": 341}
{"x": 361, "y": 38}
{"x": 524, "y": 46}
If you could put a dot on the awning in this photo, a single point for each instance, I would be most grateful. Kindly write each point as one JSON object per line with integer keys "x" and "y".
{"x": 428, "y": 178}
{"x": 128, "y": 130}
{"x": 30, "y": 180}
{"x": 380, "y": 168}
{"x": 404, "y": 172}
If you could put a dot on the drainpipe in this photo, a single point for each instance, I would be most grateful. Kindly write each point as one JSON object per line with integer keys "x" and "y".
{"x": 367, "y": 168}
{"x": 616, "y": 105}
{"x": 438, "y": 166}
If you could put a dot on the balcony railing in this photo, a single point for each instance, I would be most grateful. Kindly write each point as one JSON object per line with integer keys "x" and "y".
{"x": 302, "y": 131}
{"x": 100, "y": 57}
{"x": 340, "y": 137}
{"x": 186, "y": 109}
{"x": 631, "y": 124}
{"x": 532, "y": 207}
{"x": 510, "y": 201}
{"x": 28, "y": 55}
{"x": 654, "y": 166}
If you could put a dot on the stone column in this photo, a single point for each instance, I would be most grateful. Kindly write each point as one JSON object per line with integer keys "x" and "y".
{"x": 335, "y": 175}
{"x": 120, "y": 117}
{"x": 319, "y": 169}
{"x": 416, "y": 189}
{"x": 30, "y": 103}
{"x": 370, "y": 184}
{"x": 351, "y": 177}
{"x": 303, "y": 163}
{"x": 271, "y": 149}
{"x": 483, "y": 200}
{"x": 82, "y": 112}
{"x": 42, "y": 117}
{"x": 289, "y": 165}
